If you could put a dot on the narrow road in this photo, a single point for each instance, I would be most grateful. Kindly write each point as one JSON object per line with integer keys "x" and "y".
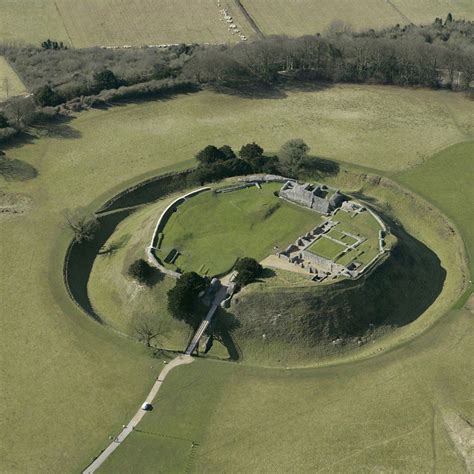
{"x": 218, "y": 298}
{"x": 180, "y": 360}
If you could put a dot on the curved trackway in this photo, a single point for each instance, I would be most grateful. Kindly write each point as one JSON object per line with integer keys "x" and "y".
{"x": 180, "y": 360}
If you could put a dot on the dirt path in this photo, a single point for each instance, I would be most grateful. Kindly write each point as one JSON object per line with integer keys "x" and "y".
{"x": 180, "y": 360}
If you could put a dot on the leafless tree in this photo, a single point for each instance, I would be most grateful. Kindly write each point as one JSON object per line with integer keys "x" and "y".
{"x": 147, "y": 332}
{"x": 83, "y": 224}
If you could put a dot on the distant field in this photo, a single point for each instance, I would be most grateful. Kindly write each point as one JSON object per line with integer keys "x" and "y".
{"x": 10, "y": 83}
{"x": 118, "y": 22}
{"x": 88, "y": 23}
{"x": 30, "y": 21}
{"x": 298, "y": 17}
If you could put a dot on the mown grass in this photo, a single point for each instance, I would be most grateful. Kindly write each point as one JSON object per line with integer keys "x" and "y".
{"x": 211, "y": 231}
{"x": 68, "y": 384}
{"x": 326, "y": 248}
{"x": 312, "y": 16}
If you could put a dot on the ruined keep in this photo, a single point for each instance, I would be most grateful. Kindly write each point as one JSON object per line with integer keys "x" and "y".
{"x": 313, "y": 196}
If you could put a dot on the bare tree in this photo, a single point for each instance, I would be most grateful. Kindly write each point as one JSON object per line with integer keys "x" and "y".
{"x": 83, "y": 224}
{"x": 6, "y": 87}
{"x": 21, "y": 111}
{"x": 146, "y": 332}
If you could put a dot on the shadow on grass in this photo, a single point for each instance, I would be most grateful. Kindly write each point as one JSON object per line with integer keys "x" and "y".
{"x": 394, "y": 294}
{"x": 224, "y": 325}
{"x": 16, "y": 170}
{"x": 252, "y": 89}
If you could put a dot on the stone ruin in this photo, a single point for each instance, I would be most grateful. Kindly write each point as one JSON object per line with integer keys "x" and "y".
{"x": 318, "y": 197}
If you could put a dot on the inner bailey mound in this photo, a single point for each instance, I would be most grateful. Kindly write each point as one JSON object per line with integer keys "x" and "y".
{"x": 393, "y": 294}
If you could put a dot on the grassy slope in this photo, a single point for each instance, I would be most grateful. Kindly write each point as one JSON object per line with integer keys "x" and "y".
{"x": 118, "y": 299}
{"x": 311, "y": 16}
{"x": 118, "y": 22}
{"x": 397, "y": 126}
{"x": 214, "y": 230}
{"x": 10, "y": 83}
{"x": 69, "y": 384}
{"x": 383, "y": 414}
{"x": 444, "y": 180}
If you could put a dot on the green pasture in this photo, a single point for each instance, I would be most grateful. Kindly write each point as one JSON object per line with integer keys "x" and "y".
{"x": 68, "y": 383}
{"x": 211, "y": 231}
{"x": 387, "y": 413}
{"x": 326, "y": 248}
{"x": 313, "y": 16}
{"x": 446, "y": 180}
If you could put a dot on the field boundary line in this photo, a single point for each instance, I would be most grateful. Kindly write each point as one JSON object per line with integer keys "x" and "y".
{"x": 63, "y": 22}
{"x": 389, "y": 2}
{"x": 249, "y": 18}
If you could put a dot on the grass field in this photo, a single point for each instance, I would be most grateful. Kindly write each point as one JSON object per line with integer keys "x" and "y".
{"x": 401, "y": 128}
{"x": 68, "y": 384}
{"x": 298, "y": 17}
{"x": 443, "y": 180}
{"x": 118, "y": 22}
{"x": 138, "y": 22}
{"x": 211, "y": 231}
{"x": 384, "y": 414}
{"x": 326, "y": 248}
{"x": 10, "y": 83}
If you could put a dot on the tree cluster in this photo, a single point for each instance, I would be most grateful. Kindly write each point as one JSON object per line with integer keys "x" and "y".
{"x": 248, "y": 270}
{"x": 218, "y": 163}
{"x": 427, "y": 55}
{"x": 49, "y": 44}
{"x": 183, "y": 299}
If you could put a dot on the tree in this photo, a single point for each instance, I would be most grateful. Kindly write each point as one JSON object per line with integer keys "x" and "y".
{"x": 183, "y": 298}
{"x": 293, "y": 154}
{"x": 3, "y": 120}
{"x": 104, "y": 80}
{"x": 228, "y": 152}
{"x": 248, "y": 271}
{"x": 210, "y": 154}
{"x": 141, "y": 271}
{"x": 83, "y": 225}
{"x": 47, "y": 96}
{"x": 250, "y": 152}
{"x": 6, "y": 87}
{"x": 20, "y": 111}
{"x": 146, "y": 331}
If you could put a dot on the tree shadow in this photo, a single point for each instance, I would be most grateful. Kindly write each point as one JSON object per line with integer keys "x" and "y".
{"x": 320, "y": 167}
{"x": 223, "y": 326}
{"x": 16, "y": 170}
{"x": 266, "y": 274}
{"x": 114, "y": 246}
{"x": 155, "y": 277}
{"x": 254, "y": 89}
{"x": 56, "y": 127}
{"x": 249, "y": 90}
